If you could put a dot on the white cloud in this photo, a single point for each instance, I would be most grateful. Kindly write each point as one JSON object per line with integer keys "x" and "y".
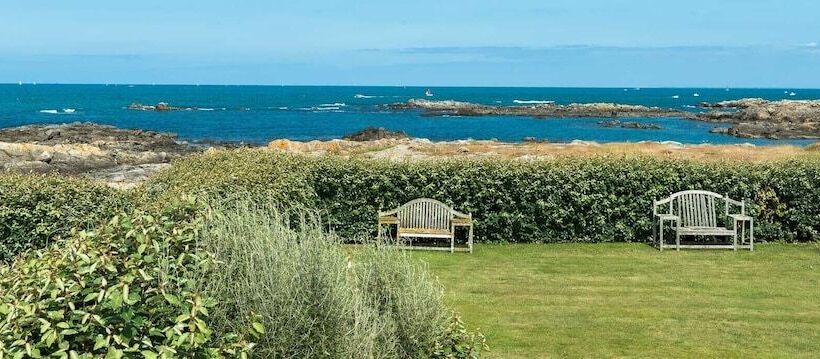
{"x": 810, "y": 44}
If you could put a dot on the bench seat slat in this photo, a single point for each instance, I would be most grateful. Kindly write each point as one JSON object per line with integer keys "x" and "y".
{"x": 706, "y": 231}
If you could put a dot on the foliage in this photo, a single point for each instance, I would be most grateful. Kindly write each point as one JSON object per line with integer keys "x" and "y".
{"x": 313, "y": 296}
{"x": 120, "y": 290}
{"x": 572, "y": 198}
{"x": 218, "y": 174}
{"x": 37, "y": 209}
{"x": 459, "y": 343}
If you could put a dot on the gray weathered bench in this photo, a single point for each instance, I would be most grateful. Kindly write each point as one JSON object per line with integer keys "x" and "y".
{"x": 694, "y": 213}
{"x": 427, "y": 218}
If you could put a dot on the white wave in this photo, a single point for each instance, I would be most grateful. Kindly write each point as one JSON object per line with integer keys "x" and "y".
{"x": 335, "y": 104}
{"x": 204, "y": 109}
{"x": 533, "y": 102}
{"x": 364, "y": 96}
{"x": 53, "y": 112}
{"x": 689, "y": 106}
{"x": 676, "y": 96}
{"x": 326, "y": 108}
{"x": 69, "y": 110}
{"x": 283, "y": 108}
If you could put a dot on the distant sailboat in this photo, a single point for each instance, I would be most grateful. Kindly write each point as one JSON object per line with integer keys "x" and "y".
{"x": 428, "y": 93}
{"x": 696, "y": 94}
{"x": 20, "y": 83}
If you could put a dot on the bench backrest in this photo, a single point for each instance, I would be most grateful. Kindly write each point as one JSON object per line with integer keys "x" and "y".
{"x": 425, "y": 213}
{"x": 696, "y": 208}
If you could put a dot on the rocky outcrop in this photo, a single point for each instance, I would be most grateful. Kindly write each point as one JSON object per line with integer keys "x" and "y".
{"x": 635, "y": 125}
{"x": 160, "y": 106}
{"x": 542, "y": 110}
{"x": 375, "y": 133}
{"x": 88, "y": 149}
{"x": 742, "y": 103}
{"x": 758, "y": 118}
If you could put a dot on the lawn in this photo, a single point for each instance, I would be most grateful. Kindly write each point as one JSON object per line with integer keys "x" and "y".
{"x": 616, "y": 300}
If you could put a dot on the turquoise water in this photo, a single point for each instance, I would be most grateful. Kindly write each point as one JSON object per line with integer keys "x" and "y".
{"x": 260, "y": 113}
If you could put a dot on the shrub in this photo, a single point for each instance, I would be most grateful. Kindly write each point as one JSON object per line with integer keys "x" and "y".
{"x": 120, "y": 290}
{"x": 588, "y": 199}
{"x": 36, "y": 209}
{"x": 315, "y": 297}
{"x": 223, "y": 174}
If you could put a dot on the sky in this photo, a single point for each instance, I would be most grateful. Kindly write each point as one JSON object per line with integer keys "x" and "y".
{"x": 584, "y": 43}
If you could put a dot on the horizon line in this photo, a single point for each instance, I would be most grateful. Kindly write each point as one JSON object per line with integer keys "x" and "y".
{"x": 631, "y": 87}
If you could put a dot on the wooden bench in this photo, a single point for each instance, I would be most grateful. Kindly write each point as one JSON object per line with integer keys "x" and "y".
{"x": 694, "y": 213}
{"x": 427, "y": 218}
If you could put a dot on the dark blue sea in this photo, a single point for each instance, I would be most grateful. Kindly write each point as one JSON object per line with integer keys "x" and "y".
{"x": 257, "y": 114}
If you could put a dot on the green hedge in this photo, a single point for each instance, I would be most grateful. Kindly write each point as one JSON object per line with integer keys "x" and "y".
{"x": 584, "y": 199}
{"x": 36, "y": 209}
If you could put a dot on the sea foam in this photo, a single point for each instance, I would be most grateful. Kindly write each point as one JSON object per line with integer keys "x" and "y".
{"x": 530, "y": 102}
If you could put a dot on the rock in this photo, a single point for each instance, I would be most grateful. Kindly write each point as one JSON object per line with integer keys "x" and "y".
{"x": 78, "y": 148}
{"x": 742, "y": 103}
{"x": 375, "y": 133}
{"x": 28, "y": 167}
{"x": 44, "y": 157}
{"x": 52, "y": 133}
{"x": 758, "y": 118}
{"x": 543, "y": 110}
{"x": 160, "y": 106}
{"x": 635, "y": 125}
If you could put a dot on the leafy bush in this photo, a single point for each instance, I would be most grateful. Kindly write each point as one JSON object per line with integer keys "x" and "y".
{"x": 459, "y": 343}
{"x": 117, "y": 291}
{"x": 588, "y": 199}
{"x": 36, "y": 209}
{"x": 315, "y": 297}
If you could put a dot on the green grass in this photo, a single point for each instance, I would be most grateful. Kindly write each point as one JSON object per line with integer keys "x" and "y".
{"x": 630, "y": 300}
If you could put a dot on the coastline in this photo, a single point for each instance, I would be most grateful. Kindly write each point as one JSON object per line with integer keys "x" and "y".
{"x": 124, "y": 158}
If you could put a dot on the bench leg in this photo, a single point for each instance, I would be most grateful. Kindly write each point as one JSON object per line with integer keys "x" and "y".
{"x": 660, "y": 228}
{"x": 734, "y": 241}
{"x": 470, "y": 239}
{"x": 742, "y": 232}
{"x": 751, "y": 234}
{"x": 677, "y": 241}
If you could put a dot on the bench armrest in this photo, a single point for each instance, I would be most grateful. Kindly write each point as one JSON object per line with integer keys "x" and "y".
{"x": 740, "y": 217}
{"x": 667, "y": 217}
{"x": 458, "y": 214}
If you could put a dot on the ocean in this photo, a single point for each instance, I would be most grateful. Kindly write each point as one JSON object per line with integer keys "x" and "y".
{"x": 257, "y": 114}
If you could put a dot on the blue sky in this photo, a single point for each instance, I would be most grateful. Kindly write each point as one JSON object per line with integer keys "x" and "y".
{"x": 754, "y": 43}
